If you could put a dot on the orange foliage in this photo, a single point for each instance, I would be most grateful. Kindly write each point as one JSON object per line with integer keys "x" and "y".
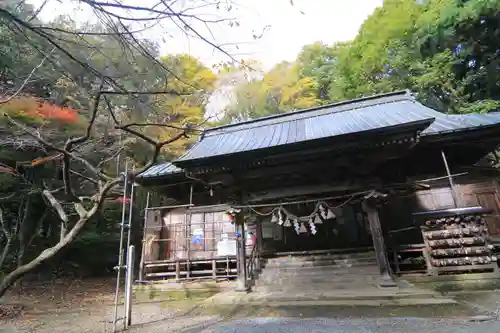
{"x": 51, "y": 111}
{"x": 41, "y": 160}
{"x": 40, "y": 109}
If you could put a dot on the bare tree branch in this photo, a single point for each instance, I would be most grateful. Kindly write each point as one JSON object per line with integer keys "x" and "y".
{"x": 84, "y": 177}
{"x": 74, "y": 152}
{"x": 110, "y": 158}
{"x": 48, "y": 253}
{"x": 20, "y": 89}
{"x": 159, "y": 125}
{"x": 50, "y": 146}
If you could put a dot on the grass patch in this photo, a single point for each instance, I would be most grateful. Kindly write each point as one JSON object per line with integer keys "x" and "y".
{"x": 152, "y": 293}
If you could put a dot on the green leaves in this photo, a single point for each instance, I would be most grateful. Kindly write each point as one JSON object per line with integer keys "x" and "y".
{"x": 444, "y": 50}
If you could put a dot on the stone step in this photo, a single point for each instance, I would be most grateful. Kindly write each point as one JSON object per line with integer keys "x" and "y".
{"x": 334, "y": 275}
{"x": 323, "y": 270}
{"x": 291, "y": 290}
{"x": 298, "y": 279}
{"x": 347, "y": 294}
{"x": 303, "y": 281}
{"x": 352, "y": 256}
{"x": 320, "y": 263}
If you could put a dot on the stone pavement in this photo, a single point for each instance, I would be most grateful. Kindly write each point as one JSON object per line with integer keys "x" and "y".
{"x": 367, "y": 296}
{"x": 359, "y": 325}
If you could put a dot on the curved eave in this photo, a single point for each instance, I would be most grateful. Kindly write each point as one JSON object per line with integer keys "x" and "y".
{"x": 410, "y": 128}
{"x": 164, "y": 173}
{"x": 489, "y": 132}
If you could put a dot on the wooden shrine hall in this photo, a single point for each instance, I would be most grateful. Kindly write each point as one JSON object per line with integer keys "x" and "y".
{"x": 383, "y": 176}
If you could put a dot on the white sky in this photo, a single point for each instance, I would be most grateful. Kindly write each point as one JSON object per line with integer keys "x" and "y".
{"x": 323, "y": 20}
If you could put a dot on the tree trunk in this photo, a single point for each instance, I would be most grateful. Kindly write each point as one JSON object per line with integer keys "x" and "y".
{"x": 5, "y": 251}
{"x": 46, "y": 254}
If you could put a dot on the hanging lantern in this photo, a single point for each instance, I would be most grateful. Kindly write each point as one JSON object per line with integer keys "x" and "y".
{"x": 330, "y": 215}
{"x": 288, "y": 223}
{"x": 230, "y": 216}
{"x": 302, "y": 228}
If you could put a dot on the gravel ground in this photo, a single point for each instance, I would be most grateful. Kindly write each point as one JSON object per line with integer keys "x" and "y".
{"x": 146, "y": 318}
{"x": 371, "y": 325}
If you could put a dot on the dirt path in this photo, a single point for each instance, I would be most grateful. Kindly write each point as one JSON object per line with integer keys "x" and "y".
{"x": 87, "y": 306}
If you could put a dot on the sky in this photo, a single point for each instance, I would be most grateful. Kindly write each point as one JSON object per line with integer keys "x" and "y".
{"x": 285, "y": 26}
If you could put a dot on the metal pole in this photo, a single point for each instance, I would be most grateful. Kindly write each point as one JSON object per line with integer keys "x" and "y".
{"x": 128, "y": 286}
{"x": 120, "y": 251}
{"x": 128, "y": 254}
{"x": 130, "y": 211}
{"x": 141, "y": 264}
{"x": 450, "y": 179}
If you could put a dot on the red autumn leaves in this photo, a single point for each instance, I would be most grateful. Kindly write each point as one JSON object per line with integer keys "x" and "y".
{"x": 32, "y": 110}
{"x": 40, "y": 110}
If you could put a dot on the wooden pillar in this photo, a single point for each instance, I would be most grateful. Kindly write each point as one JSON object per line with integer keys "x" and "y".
{"x": 258, "y": 239}
{"x": 386, "y": 279}
{"x": 241, "y": 280}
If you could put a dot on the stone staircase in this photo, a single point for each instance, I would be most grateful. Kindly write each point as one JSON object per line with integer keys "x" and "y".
{"x": 326, "y": 279}
{"x": 318, "y": 272}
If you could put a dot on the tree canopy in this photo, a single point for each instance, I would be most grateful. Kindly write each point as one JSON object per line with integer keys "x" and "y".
{"x": 73, "y": 98}
{"x": 446, "y": 51}
{"x": 76, "y": 104}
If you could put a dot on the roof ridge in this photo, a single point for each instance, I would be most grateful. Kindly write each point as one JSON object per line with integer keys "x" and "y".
{"x": 315, "y": 108}
{"x": 305, "y": 111}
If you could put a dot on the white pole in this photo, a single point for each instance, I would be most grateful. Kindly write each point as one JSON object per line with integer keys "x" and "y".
{"x": 131, "y": 206}
{"x": 128, "y": 257}
{"x": 141, "y": 264}
{"x": 120, "y": 251}
{"x": 128, "y": 286}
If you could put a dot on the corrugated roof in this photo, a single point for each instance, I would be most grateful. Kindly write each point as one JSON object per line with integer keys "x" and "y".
{"x": 445, "y": 123}
{"x": 327, "y": 121}
{"x": 354, "y": 116}
{"x": 160, "y": 170}
{"x": 348, "y": 117}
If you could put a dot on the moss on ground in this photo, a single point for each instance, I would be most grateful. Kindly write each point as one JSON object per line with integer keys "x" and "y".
{"x": 157, "y": 294}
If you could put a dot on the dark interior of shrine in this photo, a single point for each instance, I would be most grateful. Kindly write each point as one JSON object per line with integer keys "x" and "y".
{"x": 348, "y": 229}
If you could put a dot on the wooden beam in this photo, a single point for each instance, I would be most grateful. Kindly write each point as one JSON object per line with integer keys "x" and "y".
{"x": 339, "y": 153}
{"x": 241, "y": 280}
{"x": 302, "y": 190}
{"x": 386, "y": 279}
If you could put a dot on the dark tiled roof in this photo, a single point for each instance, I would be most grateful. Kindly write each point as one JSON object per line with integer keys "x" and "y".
{"x": 327, "y": 121}
{"x": 161, "y": 170}
{"x": 355, "y": 116}
{"x": 444, "y": 123}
